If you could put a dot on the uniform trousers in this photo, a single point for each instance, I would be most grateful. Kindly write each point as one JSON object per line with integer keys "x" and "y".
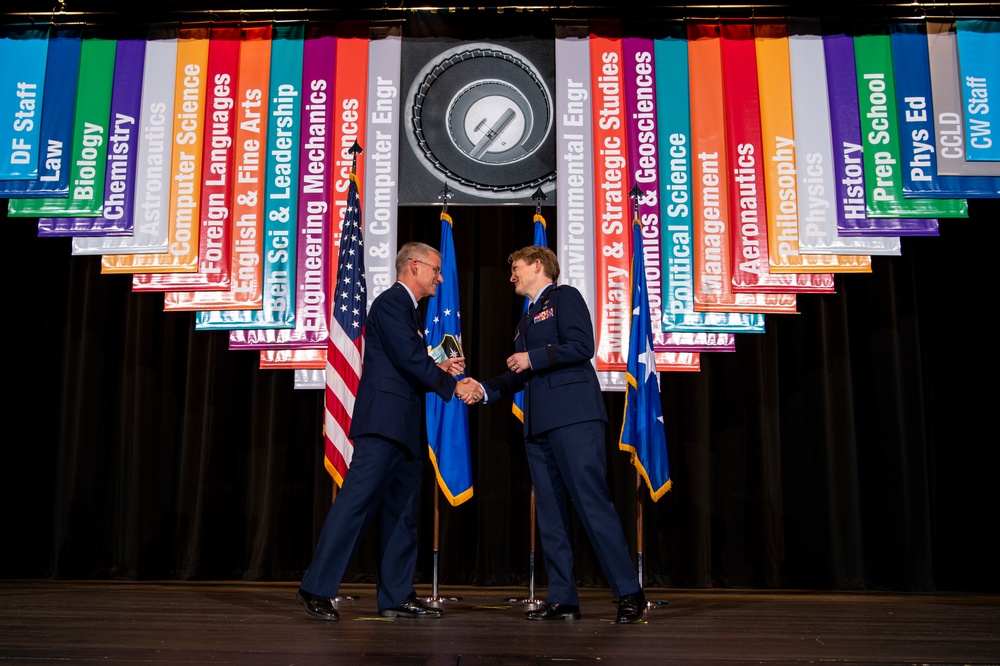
{"x": 382, "y": 484}
{"x": 567, "y": 464}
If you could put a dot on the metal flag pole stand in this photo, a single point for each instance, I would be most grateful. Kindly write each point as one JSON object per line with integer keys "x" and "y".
{"x": 639, "y": 489}
{"x": 444, "y": 195}
{"x": 635, "y": 193}
{"x": 531, "y": 561}
{"x": 354, "y": 150}
{"x": 435, "y": 597}
{"x": 538, "y": 198}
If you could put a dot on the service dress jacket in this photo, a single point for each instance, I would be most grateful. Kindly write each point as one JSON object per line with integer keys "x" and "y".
{"x": 397, "y": 373}
{"x": 561, "y": 388}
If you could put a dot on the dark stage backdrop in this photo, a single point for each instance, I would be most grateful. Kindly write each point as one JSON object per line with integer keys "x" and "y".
{"x": 848, "y": 447}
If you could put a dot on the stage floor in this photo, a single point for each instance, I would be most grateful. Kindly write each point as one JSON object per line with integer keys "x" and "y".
{"x": 172, "y": 622}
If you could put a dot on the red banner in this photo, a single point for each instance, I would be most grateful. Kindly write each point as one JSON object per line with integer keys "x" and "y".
{"x": 611, "y": 200}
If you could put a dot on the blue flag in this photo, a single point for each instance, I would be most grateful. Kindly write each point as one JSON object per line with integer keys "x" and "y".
{"x": 448, "y": 422}
{"x": 642, "y": 432}
{"x": 540, "y": 239}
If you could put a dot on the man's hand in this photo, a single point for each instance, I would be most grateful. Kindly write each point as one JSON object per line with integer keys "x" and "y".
{"x": 469, "y": 391}
{"x": 453, "y": 366}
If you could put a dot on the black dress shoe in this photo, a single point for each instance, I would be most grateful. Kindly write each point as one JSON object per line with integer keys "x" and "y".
{"x": 631, "y": 608}
{"x": 411, "y": 608}
{"x": 554, "y": 612}
{"x": 321, "y": 607}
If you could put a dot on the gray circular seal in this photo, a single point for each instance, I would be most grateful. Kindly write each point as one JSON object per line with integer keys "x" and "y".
{"x": 480, "y": 115}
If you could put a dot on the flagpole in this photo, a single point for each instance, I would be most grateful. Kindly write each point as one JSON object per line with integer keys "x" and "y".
{"x": 437, "y": 548}
{"x": 638, "y": 525}
{"x": 539, "y": 239}
{"x": 634, "y": 194}
{"x": 444, "y": 195}
{"x": 531, "y": 556}
{"x": 531, "y": 564}
{"x": 354, "y": 151}
{"x": 437, "y": 533}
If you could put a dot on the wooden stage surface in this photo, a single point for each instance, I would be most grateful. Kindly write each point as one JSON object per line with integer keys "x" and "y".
{"x": 174, "y": 622}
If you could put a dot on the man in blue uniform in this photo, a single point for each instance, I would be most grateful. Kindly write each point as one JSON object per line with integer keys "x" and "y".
{"x": 383, "y": 482}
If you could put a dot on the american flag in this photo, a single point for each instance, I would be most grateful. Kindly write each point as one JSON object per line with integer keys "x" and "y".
{"x": 345, "y": 350}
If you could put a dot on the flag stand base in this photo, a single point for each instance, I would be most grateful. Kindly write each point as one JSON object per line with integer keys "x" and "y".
{"x": 434, "y": 586}
{"x": 531, "y": 600}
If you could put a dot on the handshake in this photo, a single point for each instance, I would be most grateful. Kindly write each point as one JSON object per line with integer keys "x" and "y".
{"x": 468, "y": 390}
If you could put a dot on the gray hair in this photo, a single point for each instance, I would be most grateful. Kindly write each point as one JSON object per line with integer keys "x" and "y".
{"x": 413, "y": 250}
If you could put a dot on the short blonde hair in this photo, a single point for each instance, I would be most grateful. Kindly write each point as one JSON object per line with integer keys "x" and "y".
{"x": 541, "y": 253}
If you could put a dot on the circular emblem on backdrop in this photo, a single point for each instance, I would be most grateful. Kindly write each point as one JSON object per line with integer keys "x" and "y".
{"x": 479, "y": 117}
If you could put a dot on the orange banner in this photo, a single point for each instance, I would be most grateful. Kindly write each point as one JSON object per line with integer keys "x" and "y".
{"x": 348, "y": 126}
{"x": 292, "y": 359}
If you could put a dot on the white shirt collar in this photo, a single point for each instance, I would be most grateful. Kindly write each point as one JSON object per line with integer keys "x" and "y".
{"x": 540, "y": 292}
{"x": 412, "y": 297}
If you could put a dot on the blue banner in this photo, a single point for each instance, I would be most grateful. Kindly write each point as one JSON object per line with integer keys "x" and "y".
{"x": 58, "y": 111}
{"x": 979, "y": 66}
{"x": 22, "y": 89}
{"x": 915, "y": 109}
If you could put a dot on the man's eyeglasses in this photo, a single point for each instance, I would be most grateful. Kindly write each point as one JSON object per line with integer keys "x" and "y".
{"x": 436, "y": 269}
